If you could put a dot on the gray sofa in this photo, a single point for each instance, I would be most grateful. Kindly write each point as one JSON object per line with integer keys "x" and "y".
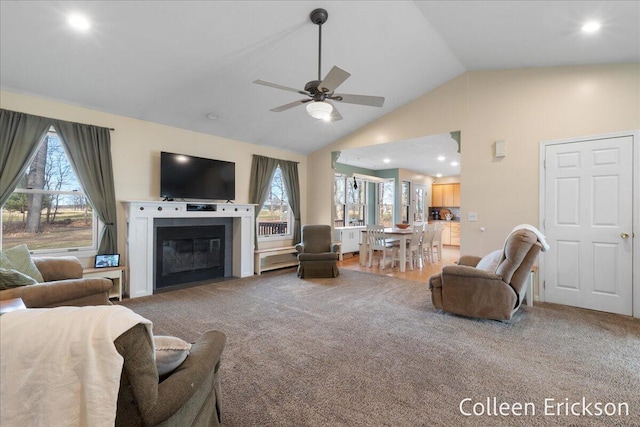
{"x": 189, "y": 396}
{"x": 63, "y": 286}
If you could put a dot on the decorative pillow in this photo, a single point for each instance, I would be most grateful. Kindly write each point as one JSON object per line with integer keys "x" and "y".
{"x": 491, "y": 261}
{"x": 170, "y": 353}
{"x": 12, "y": 279}
{"x": 18, "y": 258}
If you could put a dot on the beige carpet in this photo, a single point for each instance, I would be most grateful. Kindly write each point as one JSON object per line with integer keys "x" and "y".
{"x": 369, "y": 350}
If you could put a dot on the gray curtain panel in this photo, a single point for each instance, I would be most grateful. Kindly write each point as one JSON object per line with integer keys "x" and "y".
{"x": 89, "y": 150}
{"x": 20, "y": 135}
{"x": 292, "y": 186}
{"x": 262, "y": 171}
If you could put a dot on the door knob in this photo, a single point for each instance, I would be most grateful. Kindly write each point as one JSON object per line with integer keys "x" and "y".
{"x": 624, "y": 235}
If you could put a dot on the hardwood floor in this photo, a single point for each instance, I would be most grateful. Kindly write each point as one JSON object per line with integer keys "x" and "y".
{"x": 450, "y": 254}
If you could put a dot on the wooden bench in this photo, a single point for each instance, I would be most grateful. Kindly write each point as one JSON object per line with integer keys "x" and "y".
{"x": 261, "y": 254}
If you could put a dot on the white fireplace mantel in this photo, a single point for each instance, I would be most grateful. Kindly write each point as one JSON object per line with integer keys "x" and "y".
{"x": 140, "y": 249}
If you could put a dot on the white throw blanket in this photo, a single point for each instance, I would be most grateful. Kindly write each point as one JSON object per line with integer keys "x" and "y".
{"x": 538, "y": 233}
{"x": 59, "y": 366}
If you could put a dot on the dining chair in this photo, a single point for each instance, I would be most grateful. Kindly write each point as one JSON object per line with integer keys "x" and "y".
{"x": 436, "y": 243}
{"x": 427, "y": 244}
{"x": 379, "y": 243}
{"x": 413, "y": 251}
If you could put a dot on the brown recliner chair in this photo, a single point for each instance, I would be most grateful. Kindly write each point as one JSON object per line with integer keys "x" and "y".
{"x": 63, "y": 286}
{"x": 317, "y": 256}
{"x": 188, "y": 396}
{"x": 490, "y": 292}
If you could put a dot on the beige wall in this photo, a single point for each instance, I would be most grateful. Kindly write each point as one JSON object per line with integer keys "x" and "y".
{"x": 522, "y": 107}
{"x": 136, "y": 147}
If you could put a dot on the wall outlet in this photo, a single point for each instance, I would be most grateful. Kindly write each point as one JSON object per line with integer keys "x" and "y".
{"x": 473, "y": 216}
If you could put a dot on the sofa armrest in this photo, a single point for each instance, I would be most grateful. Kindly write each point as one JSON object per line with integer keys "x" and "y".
{"x": 335, "y": 248}
{"x": 182, "y": 384}
{"x": 58, "y": 268}
{"x": 472, "y": 292}
{"x": 75, "y": 292}
{"x": 300, "y": 248}
{"x": 469, "y": 260}
{"x": 468, "y": 272}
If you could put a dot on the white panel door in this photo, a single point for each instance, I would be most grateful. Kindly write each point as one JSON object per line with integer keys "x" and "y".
{"x": 588, "y": 224}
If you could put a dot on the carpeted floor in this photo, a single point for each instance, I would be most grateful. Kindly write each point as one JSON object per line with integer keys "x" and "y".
{"x": 369, "y": 350}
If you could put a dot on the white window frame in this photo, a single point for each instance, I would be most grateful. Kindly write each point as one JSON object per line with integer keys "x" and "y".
{"x": 274, "y": 237}
{"x": 97, "y": 225}
{"x": 346, "y": 206}
{"x": 405, "y": 207}
{"x": 392, "y": 183}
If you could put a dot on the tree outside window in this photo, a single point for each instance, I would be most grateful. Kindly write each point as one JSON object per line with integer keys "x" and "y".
{"x": 350, "y": 201}
{"x": 386, "y": 195}
{"x": 274, "y": 219}
{"x": 406, "y": 201}
{"x": 48, "y": 210}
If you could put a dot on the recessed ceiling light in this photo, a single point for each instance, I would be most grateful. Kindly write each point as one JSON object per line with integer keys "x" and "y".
{"x": 439, "y": 175}
{"x": 454, "y": 163}
{"x": 441, "y": 158}
{"x": 212, "y": 116}
{"x": 386, "y": 160}
{"x": 591, "y": 27}
{"x": 79, "y": 22}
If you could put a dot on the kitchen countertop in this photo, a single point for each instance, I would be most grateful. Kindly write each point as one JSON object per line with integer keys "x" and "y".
{"x": 444, "y": 220}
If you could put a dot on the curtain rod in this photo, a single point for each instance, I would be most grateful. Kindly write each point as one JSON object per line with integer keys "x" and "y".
{"x": 51, "y": 118}
{"x": 54, "y": 129}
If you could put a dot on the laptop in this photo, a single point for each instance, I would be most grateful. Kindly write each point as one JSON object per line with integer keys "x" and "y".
{"x": 107, "y": 260}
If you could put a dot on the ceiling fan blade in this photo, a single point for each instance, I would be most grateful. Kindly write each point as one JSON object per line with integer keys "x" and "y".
{"x": 289, "y": 105}
{"x": 277, "y": 86}
{"x": 372, "y": 101}
{"x": 335, "y": 114}
{"x": 335, "y": 78}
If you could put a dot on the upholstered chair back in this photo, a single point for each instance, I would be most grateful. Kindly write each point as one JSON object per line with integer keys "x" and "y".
{"x": 316, "y": 238}
{"x": 520, "y": 252}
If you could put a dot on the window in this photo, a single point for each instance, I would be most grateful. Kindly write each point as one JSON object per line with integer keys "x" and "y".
{"x": 385, "y": 202}
{"x": 275, "y": 219}
{"x": 48, "y": 210}
{"x": 406, "y": 201}
{"x": 418, "y": 212}
{"x": 350, "y": 201}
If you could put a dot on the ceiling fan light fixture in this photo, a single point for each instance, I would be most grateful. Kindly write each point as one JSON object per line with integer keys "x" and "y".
{"x": 320, "y": 110}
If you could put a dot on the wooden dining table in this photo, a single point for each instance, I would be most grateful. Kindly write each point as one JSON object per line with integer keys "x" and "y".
{"x": 402, "y": 235}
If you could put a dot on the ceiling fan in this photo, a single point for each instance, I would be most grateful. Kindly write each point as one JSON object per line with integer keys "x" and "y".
{"x": 321, "y": 92}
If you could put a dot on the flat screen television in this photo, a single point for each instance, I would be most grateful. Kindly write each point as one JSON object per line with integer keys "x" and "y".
{"x": 189, "y": 177}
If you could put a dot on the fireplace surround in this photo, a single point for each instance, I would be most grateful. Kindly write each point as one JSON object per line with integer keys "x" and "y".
{"x": 143, "y": 218}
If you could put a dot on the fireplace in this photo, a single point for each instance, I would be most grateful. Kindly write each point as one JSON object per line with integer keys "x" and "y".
{"x": 191, "y": 251}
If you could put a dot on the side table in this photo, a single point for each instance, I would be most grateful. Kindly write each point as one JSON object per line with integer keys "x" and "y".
{"x": 113, "y": 273}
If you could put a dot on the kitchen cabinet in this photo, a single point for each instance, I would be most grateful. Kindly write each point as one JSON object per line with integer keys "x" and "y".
{"x": 450, "y": 233}
{"x": 455, "y": 234}
{"x": 446, "y": 233}
{"x": 445, "y": 195}
{"x": 456, "y": 195}
{"x": 436, "y": 195}
{"x": 350, "y": 238}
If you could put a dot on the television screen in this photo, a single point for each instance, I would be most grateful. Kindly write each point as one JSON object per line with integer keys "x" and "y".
{"x": 189, "y": 177}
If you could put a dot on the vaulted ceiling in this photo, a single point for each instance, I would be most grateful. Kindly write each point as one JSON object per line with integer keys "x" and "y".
{"x": 174, "y": 62}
